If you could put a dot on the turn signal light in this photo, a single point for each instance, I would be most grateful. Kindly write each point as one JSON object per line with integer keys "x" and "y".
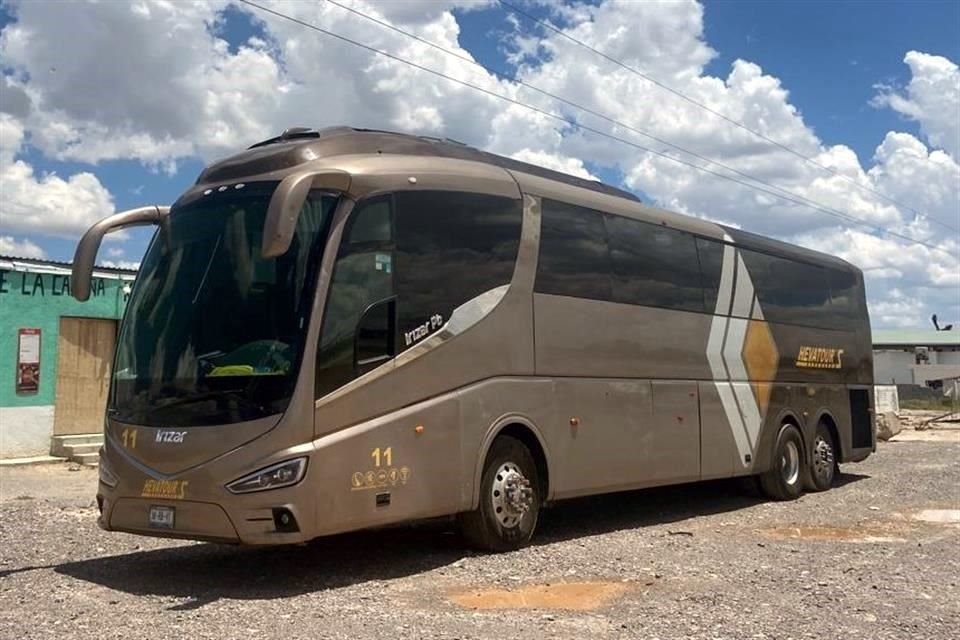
{"x": 283, "y": 474}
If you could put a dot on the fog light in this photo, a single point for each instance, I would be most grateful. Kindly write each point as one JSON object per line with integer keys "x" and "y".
{"x": 284, "y": 474}
{"x": 284, "y": 521}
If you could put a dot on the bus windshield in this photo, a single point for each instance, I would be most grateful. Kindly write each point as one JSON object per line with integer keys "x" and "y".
{"x": 213, "y": 332}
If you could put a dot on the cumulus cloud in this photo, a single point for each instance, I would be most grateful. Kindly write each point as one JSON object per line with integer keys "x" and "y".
{"x": 190, "y": 94}
{"x": 120, "y": 264}
{"x": 932, "y": 98}
{"x": 45, "y": 203}
{"x": 10, "y": 246}
{"x": 571, "y": 166}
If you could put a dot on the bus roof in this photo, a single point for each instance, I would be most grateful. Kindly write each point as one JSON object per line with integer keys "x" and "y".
{"x": 299, "y": 145}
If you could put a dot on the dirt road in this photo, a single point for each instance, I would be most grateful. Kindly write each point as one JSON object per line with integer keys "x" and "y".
{"x": 876, "y": 557}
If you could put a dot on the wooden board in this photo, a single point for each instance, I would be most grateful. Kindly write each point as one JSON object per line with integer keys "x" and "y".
{"x": 85, "y": 356}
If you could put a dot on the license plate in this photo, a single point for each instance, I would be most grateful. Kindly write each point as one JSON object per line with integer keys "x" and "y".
{"x": 161, "y": 517}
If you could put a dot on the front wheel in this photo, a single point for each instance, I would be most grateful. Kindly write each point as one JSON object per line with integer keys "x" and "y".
{"x": 784, "y": 480}
{"x": 510, "y": 499}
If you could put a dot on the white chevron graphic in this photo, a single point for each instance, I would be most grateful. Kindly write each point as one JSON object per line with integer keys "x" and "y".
{"x": 725, "y": 351}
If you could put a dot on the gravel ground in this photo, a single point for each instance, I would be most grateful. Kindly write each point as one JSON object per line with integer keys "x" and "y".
{"x": 863, "y": 560}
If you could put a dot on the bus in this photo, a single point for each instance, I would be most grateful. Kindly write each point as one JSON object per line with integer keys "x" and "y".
{"x": 345, "y": 329}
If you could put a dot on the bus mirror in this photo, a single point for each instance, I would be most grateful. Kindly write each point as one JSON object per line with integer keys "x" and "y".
{"x": 286, "y": 203}
{"x": 86, "y": 254}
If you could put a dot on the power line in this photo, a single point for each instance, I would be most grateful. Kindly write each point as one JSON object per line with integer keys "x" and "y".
{"x": 576, "y": 124}
{"x": 543, "y": 23}
{"x": 471, "y": 61}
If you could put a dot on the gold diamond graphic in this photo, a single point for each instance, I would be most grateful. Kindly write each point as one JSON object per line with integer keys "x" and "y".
{"x": 761, "y": 358}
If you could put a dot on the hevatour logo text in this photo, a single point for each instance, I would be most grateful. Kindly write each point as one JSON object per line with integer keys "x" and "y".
{"x": 171, "y": 436}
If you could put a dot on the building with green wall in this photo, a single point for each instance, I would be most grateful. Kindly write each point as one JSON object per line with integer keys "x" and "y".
{"x": 35, "y": 300}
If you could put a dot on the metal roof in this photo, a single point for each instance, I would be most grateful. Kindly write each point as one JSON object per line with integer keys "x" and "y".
{"x": 916, "y": 338}
{"x": 57, "y": 267}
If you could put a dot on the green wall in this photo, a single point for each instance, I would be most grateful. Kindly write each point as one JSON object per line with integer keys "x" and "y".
{"x": 34, "y": 300}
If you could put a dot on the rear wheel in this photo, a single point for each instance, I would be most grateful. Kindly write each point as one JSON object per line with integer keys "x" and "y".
{"x": 510, "y": 499}
{"x": 784, "y": 480}
{"x": 822, "y": 470}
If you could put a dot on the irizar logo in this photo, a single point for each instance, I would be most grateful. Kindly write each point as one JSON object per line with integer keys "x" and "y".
{"x": 171, "y": 436}
{"x": 421, "y": 332}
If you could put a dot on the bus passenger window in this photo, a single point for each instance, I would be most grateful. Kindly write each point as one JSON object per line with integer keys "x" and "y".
{"x": 362, "y": 276}
{"x": 574, "y": 258}
{"x": 844, "y": 299}
{"x": 451, "y": 247}
{"x": 789, "y": 291}
{"x": 710, "y": 255}
{"x": 654, "y": 266}
{"x": 374, "y": 224}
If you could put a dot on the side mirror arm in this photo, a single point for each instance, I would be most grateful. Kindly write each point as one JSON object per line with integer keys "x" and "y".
{"x": 86, "y": 255}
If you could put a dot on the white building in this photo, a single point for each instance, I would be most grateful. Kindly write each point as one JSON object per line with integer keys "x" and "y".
{"x": 915, "y": 356}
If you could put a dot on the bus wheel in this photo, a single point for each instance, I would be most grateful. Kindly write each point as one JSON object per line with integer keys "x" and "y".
{"x": 822, "y": 470}
{"x": 510, "y": 498}
{"x": 784, "y": 480}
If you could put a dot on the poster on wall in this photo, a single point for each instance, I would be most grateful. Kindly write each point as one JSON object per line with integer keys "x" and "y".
{"x": 28, "y": 361}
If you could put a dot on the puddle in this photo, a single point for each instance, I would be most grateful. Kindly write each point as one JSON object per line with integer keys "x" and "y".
{"x": 937, "y": 516}
{"x": 574, "y": 596}
{"x": 869, "y": 533}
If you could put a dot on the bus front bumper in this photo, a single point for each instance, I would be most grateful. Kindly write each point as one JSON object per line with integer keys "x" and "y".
{"x": 272, "y": 518}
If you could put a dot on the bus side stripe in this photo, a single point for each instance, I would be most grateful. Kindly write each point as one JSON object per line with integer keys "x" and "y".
{"x": 748, "y": 406}
{"x": 715, "y": 347}
{"x": 736, "y": 333}
{"x": 744, "y": 294}
{"x": 720, "y": 335}
{"x": 736, "y": 423}
{"x": 726, "y": 280}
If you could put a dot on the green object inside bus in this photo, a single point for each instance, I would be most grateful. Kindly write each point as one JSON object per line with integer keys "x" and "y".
{"x": 259, "y": 358}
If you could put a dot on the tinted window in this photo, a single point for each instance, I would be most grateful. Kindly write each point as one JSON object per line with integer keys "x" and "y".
{"x": 574, "y": 260}
{"x": 451, "y": 247}
{"x": 374, "y": 224}
{"x": 844, "y": 297}
{"x": 654, "y": 266}
{"x": 789, "y": 291}
{"x": 215, "y": 331}
{"x": 710, "y": 255}
{"x": 362, "y": 276}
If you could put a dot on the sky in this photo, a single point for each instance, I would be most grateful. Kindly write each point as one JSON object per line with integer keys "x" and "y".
{"x": 851, "y": 107}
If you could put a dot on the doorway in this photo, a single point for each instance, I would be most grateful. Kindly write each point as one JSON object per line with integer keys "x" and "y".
{"x": 85, "y": 350}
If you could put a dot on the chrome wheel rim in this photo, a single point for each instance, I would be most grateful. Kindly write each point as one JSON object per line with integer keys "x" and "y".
{"x": 823, "y": 461}
{"x": 790, "y": 463}
{"x": 511, "y": 495}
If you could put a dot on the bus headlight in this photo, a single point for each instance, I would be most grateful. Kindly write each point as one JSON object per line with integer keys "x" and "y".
{"x": 283, "y": 474}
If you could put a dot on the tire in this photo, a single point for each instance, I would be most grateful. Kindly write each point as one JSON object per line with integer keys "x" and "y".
{"x": 784, "y": 480}
{"x": 823, "y": 467}
{"x": 498, "y": 524}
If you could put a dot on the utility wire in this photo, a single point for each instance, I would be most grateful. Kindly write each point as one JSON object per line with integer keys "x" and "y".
{"x": 588, "y": 110}
{"x": 546, "y": 25}
{"x": 578, "y": 125}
